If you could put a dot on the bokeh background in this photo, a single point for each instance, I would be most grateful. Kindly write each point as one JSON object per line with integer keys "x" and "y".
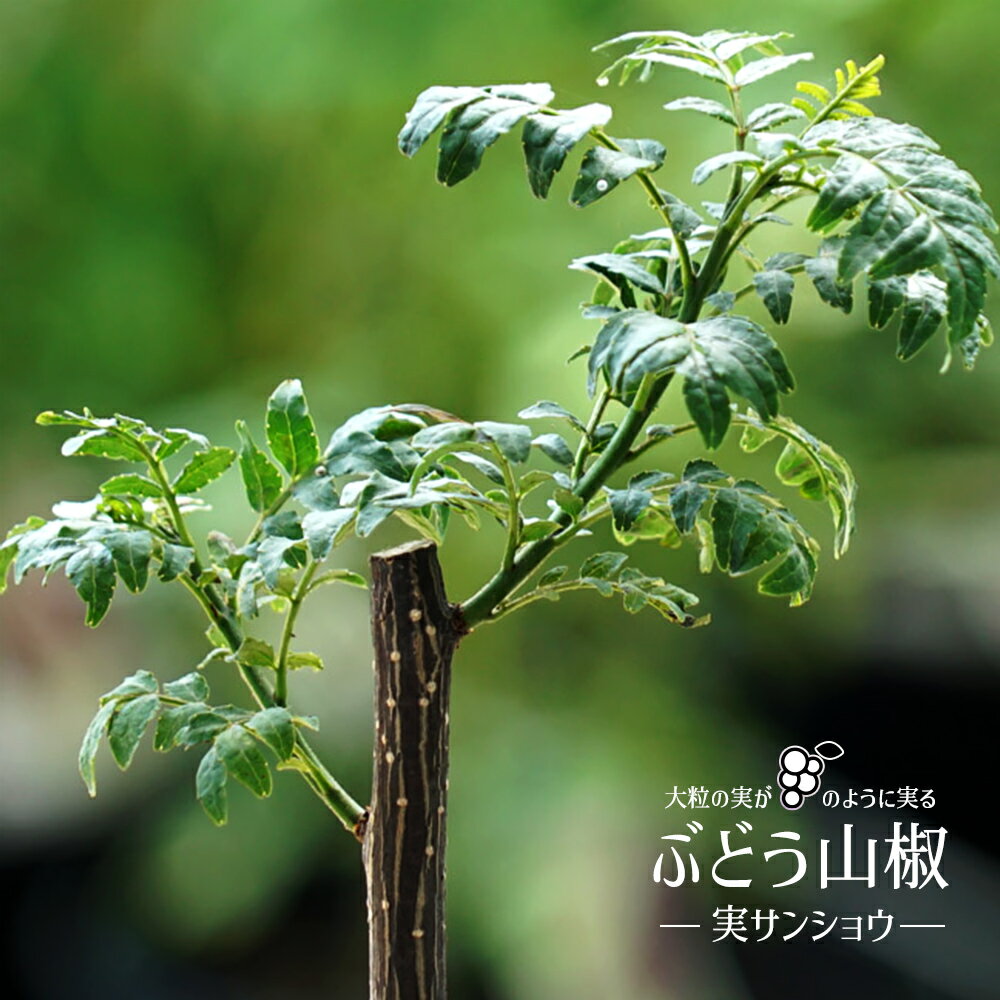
{"x": 201, "y": 197}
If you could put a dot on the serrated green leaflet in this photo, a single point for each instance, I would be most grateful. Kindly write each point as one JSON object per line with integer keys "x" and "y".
{"x": 719, "y": 162}
{"x": 553, "y": 575}
{"x": 256, "y": 653}
{"x": 555, "y": 447}
{"x": 548, "y": 138}
{"x": 474, "y": 127}
{"x": 132, "y": 485}
{"x": 103, "y": 444}
{"x": 174, "y": 439}
{"x": 210, "y": 787}
{"x": 203, "y": 468}
{"x": 652, "y": 525}
{"x": 200, "y": 727}
{"x": 546, "y": 408}
{"x": 771, "y": 115}
{"x": 627, "y": 505}
{"x": 276, "y": 554}
{"x": 925, "y": 304}
{"x": 621, "y": 271}
{"x": 811, "y": 466}
{"x": 291, "y": 435}
{"x": 686, "y": 501}
{"x": 849, "y": 181}
{"x": 131, "y": 551}
{"x": 304, "y": 661}
{"x": 190, "y": 687}
{"x": 513, "y": 440}
{"x": 823, "y": 271}
{"x": 39, "y": 544}
{"x": 174, "y": 560}
{"x": 91, "y": 741}
{"x": 324, "y": 529}
{"x": 603, "y": 169}
{"x": 759, "y": 69}
{"x": 429, "y": 110}
{"x": 602, "y": 565}
{"x": 714, "y": 109}
{"x": 438, "y": 435}
{"x": 921, "y": 211}
{"x": 244, "y": 761}
{"x": 274, "y": 726}
{"x": 9, "y": 548}
{"x": 91, "y": 570}
{"x": 128, "y": 725}
{"x": 775, "y": 289}
{"x": 356, "y": 452}
{"x": 884, "y": 298}
{"x": 172, "y": 721}
{"x": 141, "y": 682}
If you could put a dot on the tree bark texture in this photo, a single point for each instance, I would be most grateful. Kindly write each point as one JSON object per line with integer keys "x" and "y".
{"x": 415, "y": 632}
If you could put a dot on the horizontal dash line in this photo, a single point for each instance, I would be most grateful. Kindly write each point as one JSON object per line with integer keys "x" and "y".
{"x": 922, "y": 925}
{"x": 680, "y": 925}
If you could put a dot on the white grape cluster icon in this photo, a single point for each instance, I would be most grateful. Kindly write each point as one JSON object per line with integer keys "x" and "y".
{"x": 799, "y": 771}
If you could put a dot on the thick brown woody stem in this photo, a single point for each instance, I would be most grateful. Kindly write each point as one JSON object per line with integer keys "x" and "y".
{"x": 415, "y": 632}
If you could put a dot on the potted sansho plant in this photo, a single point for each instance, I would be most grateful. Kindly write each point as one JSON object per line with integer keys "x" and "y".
{"x": 896, "y": 223}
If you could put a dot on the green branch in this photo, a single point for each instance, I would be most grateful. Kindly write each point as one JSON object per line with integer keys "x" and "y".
{"x": 288, "y": 631}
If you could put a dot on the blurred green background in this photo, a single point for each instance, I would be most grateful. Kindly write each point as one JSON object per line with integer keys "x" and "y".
{"x": 198, "y": 199}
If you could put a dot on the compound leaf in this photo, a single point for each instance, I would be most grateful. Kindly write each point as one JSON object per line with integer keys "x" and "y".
{"x": 91, "y": 741}
{"x": 131, "y": 551}
{"x": 921, "y": 211}
{"x": 474, "y": 127}
{"x": 811, "y": 466}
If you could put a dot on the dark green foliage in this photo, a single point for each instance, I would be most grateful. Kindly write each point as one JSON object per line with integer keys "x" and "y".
{"x": 183, "y": 718}
{"x": 886, "y": 205}
{"x": 714, "y": 355}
